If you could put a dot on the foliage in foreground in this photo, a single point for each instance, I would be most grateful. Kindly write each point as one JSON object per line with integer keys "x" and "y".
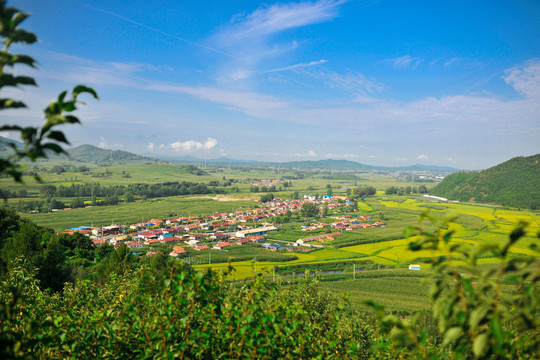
{"x": 186, "y": 314}
{"x": 474, "y": 317}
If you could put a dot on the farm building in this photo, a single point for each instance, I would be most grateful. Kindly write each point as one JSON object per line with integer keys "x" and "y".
{"x": 255, "y": 232}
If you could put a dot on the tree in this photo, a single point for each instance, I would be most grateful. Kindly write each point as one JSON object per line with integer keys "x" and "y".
{"x": 120, "y": 260}
{"x": 267, "y": 197}
{"x": 128, "y": 197}
{"x": 324, "y": 211}
{"x": 309, "y": 209}
{"x": 364, "y": 191}
{"x": 37, "y": 141}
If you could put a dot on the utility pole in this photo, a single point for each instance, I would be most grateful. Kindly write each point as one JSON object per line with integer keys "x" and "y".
{"x": 354, "y": 270}
{"x": 209, "y": 257}
{"x": 274, "y": 274}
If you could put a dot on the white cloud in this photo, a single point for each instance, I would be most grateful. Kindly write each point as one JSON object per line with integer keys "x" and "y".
{"x": 248, "y": 102}
{"x": 483, "y": 119}
{"x": 104, "y": 145}
{"x": 453, "y": 61}
{"x": 151, "y": 146}
{"x": 310, "y": 153}
{"x": 525, "y": 78}
{"x": 264, "y": 22}
{"x": 422, "y": 157}
{"x": 402, "y": 159}
{"x": 297, "y": 66}
{"x": 192, "y": 145}
{"x": 210, "y": 143}
{"x": 449, "y": 159}
{"x": 341, "y": 156}
{"x": 403, "y": 62}
{"x": 351, "y": 81}
{"x": 240, "y": 74}
{"x": 250, "y": 38}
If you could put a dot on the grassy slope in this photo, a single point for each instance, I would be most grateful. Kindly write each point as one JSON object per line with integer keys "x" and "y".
{"x": 513, "y": 183}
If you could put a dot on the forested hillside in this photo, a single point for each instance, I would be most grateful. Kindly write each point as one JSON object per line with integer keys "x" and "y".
{"x": 94, "y": 155}
{"x": 513, "y": 183}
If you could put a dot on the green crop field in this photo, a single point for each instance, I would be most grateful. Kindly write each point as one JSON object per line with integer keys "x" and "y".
{"x": 137, "y": 211}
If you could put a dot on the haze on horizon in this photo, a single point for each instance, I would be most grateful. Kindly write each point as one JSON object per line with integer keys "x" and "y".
{"x": 378, "y": 82}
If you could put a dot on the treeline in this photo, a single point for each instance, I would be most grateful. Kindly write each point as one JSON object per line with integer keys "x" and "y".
{"x": 271, "y": 188}
{"x": 394, "y": 190}
{"x": 54, "y": 259}
{"x": 142, "y": 190}
{"x": 361, "y": 192}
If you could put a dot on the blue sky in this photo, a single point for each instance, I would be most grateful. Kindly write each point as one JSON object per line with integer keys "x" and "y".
{"x": 377, "y": 82}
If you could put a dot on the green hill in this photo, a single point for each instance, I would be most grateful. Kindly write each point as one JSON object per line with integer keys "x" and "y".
{"x": 93, "y": 155}
{"x": 515, "y": 183}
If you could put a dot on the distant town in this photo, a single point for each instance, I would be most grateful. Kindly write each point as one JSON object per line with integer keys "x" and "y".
{"x": 218, "y": 231}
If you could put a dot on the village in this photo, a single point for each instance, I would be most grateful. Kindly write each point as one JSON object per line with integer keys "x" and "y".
{"x": 219, "y": 231}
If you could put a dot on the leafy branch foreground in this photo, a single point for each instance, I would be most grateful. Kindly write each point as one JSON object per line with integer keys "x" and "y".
{"x": 182, "y": 313}
{"x": 187, "y": 314}
{"x": 38, "y": 141}
{"x": 474, "y": 317}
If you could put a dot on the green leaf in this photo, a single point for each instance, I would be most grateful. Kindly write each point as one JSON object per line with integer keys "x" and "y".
{"x": 58, "y": 136}
{"x": 478, "y": 314}
{"x": 496, "y": 329}
{"x": 450, "y": 219}
{"x": 10, "y": 103}
{"x": 479, "y": 344}
{"x": 448, "y": 235}
{"x": 409, "y": 231}
{"x": 54, "y": 147}
{"x": 452, "y": 334}
{"x": 79, "y": 89}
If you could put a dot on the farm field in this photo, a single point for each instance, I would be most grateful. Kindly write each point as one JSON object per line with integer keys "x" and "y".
{"x": 474, "y": 226}
{"x": 383, "y": 247}
{"x": 136, "y": 211}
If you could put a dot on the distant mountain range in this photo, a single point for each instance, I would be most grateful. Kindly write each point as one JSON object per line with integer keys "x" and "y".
{"x": 313, "y": 165}
{"x": 90, "y": 154}
{"x": 515, "y": 183}
{"x": 330, "y": 164}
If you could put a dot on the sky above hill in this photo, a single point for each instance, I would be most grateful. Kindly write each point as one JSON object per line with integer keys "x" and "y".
{"x": 454, "y": 83}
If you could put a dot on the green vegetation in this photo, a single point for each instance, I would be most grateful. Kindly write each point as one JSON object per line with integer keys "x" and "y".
{"x": 238, "y": 253}
{"x": 475, "y": 317}
{"x": 93, "y": 155}
{"x": 512, "y": 183}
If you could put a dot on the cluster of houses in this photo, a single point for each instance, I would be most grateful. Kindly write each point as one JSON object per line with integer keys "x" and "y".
{"x": 267, "y": 182}
{"x": 200, "y": 234}
{"x": 345, "y": 222}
